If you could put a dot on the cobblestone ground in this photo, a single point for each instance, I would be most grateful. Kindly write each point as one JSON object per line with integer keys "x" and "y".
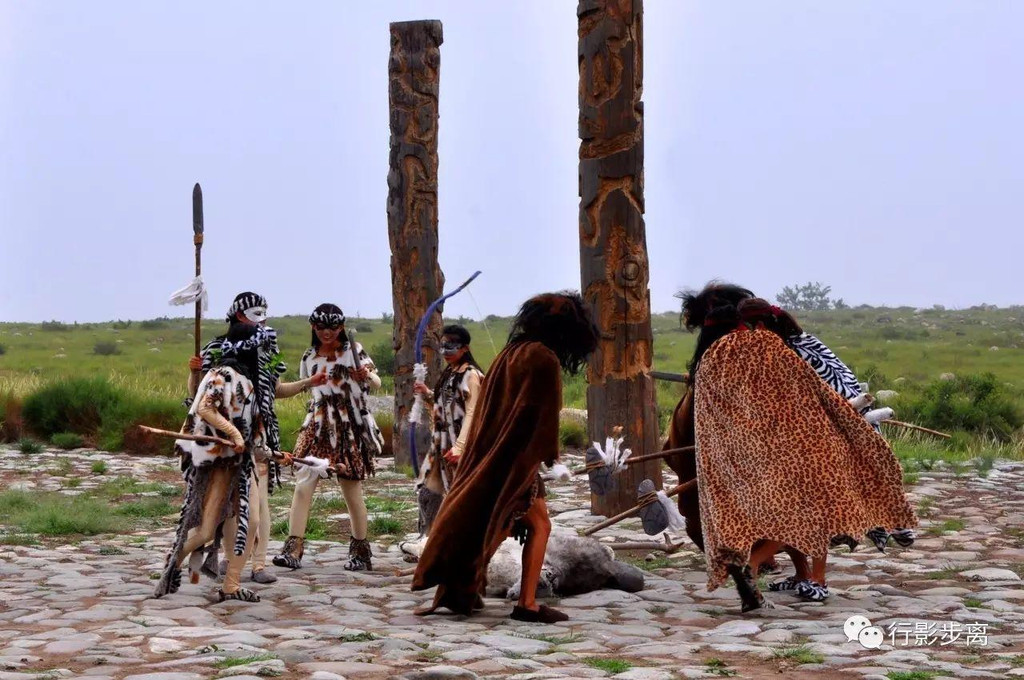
{"x": 81, "y": 607}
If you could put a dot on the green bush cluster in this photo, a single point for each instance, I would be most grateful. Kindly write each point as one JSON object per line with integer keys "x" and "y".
{"x": 67, "y": 440}
{"x": 93, "y": 408}
{"x": 978, "y": 404}
{"x": 383, "y": 355}
{"x": 572, "y": 434}
{"x": 106, "y": 348}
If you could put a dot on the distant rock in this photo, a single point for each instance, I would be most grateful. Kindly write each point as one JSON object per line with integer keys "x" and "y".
{"x": 886, "y": 395}
{"x": 947, "y": 376}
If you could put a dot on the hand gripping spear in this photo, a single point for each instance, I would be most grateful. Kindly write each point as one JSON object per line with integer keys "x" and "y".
{"x": 420, "y": 369}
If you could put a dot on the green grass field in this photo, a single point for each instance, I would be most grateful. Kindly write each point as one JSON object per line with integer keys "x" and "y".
{"x": 892, "y": 348}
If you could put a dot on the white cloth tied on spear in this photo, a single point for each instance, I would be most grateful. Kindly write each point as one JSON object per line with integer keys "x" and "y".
{"x": 194, "y": 291}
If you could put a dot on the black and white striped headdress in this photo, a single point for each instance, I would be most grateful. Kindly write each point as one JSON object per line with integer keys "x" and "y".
{"x": 326, "y": 318}
{"x": 244, "y": 301}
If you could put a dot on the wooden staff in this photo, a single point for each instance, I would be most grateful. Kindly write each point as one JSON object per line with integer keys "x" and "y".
{"x": 208, "y": 439}
{"x": 900, "y": 423}
{"x": 640, "y": 459}
{"x": 685, "y": 486}
{"x": 668, "y": 547}
{"x": 197, "y": 239}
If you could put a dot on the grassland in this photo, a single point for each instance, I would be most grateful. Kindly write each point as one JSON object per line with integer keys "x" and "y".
{"x": 903, "y": 349}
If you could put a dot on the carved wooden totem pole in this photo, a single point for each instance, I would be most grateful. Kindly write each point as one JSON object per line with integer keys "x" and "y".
{"x": 414, "y": 71}
{"x": 613, "y": 243}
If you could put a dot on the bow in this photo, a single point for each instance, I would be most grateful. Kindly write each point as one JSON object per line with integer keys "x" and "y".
{"x": 420, "y": 369}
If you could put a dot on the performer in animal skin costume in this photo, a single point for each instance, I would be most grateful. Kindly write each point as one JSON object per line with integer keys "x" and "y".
{"x": 497, "y": 490}
{"x": 251, "y": 309}
{"x": 454, "y": 405}
{"x": 338, "y": 427}
{"x": 219, "y": 479}
{"x": 765, "y": 415}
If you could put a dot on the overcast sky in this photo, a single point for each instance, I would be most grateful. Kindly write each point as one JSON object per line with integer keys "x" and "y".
{"x": 874, "y": 146}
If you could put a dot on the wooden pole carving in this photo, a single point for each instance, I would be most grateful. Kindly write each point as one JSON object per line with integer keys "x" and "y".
{"x": 414, "y": 70}
{"x": 613, "y": 242}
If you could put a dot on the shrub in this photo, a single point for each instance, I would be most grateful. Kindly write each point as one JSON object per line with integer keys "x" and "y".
{"x": 106, "y": 348}
{"x": 154, "y": 324}
{"x": 383, "y": 355}
{"x": 572, "y": 435}
{"x": 99, "y": 467}
{"x": 3, "y": 350}
{"x": 94, "y": 408}
{"x": 73, "y": 405}
{"x": 386, "y": 422}
{"x": 67, "y": 440}
{"x": 54, "y": 326}
{"x": 10, "y": 419}
{"x": 364, "y": 327}
{"x": 27, "y": 445}
{"x": 979, "y": 404}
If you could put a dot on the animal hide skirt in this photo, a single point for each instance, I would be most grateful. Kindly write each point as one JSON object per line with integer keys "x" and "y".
{"x": 782, "y": 457}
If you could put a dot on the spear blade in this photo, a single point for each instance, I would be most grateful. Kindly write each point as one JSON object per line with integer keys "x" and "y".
{"x": 197, "y": 210}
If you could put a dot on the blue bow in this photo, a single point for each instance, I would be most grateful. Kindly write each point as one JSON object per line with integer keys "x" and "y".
{"x": 420, "y": 331}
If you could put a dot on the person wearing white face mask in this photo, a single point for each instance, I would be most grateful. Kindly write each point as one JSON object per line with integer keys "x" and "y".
{"x": 250, "y": 309}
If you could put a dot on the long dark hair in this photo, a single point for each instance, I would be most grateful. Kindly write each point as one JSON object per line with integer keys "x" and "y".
{"x": 245, "y": 361}
{"x": 561, "y": 322}
{"x": 328, "y": 308}
{"x": 462, "y": 335}
{"x": 715, "y": 311}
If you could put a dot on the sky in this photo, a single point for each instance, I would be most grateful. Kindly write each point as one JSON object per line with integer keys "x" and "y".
{"x": 873, "y": 146}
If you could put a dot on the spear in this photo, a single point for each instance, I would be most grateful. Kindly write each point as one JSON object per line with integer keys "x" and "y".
{"x": 197, "y": 239}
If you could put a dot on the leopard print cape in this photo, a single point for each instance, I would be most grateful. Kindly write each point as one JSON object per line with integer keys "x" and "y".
{"x": 781, "y": 456}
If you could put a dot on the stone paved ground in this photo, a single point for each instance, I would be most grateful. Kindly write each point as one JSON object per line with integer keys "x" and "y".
{"x": 82, "y": 608}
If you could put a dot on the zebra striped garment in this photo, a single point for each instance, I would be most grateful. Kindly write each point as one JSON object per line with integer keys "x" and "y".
{"x": 828, "y": 366}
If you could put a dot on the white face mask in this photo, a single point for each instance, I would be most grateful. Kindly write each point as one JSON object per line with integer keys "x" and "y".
{"x": 256, "y": 314}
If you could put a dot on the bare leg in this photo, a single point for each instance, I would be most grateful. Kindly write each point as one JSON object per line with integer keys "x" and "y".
{"x": 763, "y": 550}
{"x": 818, "y": 566}
{"x": 803, "y": 571}
{"x": 536, "y": 518}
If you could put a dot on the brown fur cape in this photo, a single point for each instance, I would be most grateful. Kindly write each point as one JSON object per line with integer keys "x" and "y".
{"x": 514, "y": 430}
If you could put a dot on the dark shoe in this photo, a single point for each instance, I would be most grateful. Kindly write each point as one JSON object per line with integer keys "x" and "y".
{"x": 746, "y": 587}
{"x": 263, "y": 576}
{"x": 843, "y": 539}
{"x": 360, "y": 555}
{"x": 242, "y": 595}
{"x": 880, "y": 537}
{"x": 291, "y": 554}
{"x": 544, "y": 614}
